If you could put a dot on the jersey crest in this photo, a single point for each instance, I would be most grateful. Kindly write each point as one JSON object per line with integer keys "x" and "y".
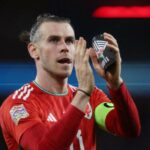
{"x": 88, "y": 111}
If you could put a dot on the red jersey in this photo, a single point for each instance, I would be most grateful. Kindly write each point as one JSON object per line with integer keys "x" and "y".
{"x": 31, "y": 104}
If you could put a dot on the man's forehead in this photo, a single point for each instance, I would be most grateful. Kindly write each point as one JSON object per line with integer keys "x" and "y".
{"x": 57, "y": 28}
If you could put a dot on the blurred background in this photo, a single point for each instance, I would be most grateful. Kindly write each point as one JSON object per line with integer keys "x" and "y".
{"x": 128, "y": 21}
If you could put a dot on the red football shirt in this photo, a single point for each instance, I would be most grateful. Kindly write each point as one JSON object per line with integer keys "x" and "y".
{"x": 30, "y": 104}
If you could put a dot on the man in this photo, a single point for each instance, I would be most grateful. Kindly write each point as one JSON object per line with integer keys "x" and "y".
{"x": 50, "y": 114}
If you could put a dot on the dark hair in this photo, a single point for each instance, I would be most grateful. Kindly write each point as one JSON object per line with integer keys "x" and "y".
{"x": 33, "y": 35}
{"x": 25, "y": 37}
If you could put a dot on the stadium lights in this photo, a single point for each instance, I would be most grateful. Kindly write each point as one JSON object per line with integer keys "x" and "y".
{"x": 122, "y": 12}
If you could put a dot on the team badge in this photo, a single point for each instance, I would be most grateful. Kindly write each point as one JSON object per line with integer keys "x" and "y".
{"x": 18, "y": 112}
{"x": 88, "y": 111}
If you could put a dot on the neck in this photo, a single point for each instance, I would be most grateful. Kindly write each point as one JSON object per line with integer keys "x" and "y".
{"x": 52, "y": 84}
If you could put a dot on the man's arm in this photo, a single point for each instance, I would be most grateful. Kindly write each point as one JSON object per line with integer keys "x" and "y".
{"x": 120, "y": 116}
{"x": 126, "y": 114}
{"x": 61, "y": 133}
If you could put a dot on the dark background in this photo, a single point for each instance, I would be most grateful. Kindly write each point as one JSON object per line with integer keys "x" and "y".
{"x": 16, "y": 67}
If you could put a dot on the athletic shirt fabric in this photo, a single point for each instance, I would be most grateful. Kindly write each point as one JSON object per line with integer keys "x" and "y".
{"x": 37, "y": 105}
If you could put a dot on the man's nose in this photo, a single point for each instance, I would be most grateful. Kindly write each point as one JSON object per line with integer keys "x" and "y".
{"x": 64, "y": 47}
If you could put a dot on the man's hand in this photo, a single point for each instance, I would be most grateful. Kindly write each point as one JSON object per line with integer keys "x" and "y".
{"x": 82, "y": 66}
{"x": 84, "y": 75}
{"x": 111, "y": 76}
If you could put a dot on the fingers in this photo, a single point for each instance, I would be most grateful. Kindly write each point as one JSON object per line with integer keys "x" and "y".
{"x": 80, "y": 46}
{"x": 93, "y": 57}
{"x": 113, "y": 47}
{"x": 112, "y": 44}
{"x": 87, "y": 54}
{"x": 96, "y": 63}
{"x": 82, "y": 66}
{"x": 111, "y": 40}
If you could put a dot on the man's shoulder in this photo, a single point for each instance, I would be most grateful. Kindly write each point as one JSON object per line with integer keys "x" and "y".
{"x": 21, "y": 94}
{"x": 17, "y": 100}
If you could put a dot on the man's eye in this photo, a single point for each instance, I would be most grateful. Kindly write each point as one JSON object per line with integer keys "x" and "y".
{"x": 69, "y": 41}
{"x": 53, "y": 40}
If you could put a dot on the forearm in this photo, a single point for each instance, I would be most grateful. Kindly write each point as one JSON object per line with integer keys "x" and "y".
{"x": 58, "y": 136}
{"x": 126, "y": 119}
{"x": 115, "y": 84}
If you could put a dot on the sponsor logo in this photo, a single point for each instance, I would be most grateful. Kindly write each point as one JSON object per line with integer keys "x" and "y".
{"x": 51, "y": 118}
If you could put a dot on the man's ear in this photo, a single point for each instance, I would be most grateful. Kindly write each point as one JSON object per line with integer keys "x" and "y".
{"x": 33, "y": 50}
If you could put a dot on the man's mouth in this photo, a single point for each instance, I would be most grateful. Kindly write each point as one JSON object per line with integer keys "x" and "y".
{"x": 65, "y": 60}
